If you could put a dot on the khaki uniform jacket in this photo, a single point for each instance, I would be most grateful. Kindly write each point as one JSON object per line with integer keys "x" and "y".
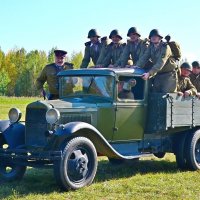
{"x": 135, "y": 50}
{"x": 49, "y": 75}
{"x": 112, "y": 56}
{"x": 161, "y": 57}
{"x": 184, "y": 84}
{"x": 195, "y": 79}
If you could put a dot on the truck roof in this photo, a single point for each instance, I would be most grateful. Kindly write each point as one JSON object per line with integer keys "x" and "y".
{"x": 103, "y": 71}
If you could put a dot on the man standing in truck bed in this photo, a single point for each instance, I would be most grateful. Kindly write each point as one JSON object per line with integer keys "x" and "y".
{"x": 164, "y": 66}
{"x": 114, "y": 51}
{"x": 185, "y": 87}
{"x": 93, "y": 48}
{"x": 135, "y": 47}
{"x": 195, "y": 76}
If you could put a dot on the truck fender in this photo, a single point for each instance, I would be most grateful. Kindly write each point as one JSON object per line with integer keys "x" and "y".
{"x": 87, "y": 130}
{"x": 4, "y": 124}
{"x": 14, "y": 135}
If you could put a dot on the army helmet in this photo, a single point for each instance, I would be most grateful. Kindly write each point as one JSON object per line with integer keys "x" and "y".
{"x": 93, "y": 33}
{"x": 187, "y": 66}
{"x": 155, "y": 32}
{"x": 115, "y": 32}
{"x": 196, "y": 64}
{"x": 134, "y": 31}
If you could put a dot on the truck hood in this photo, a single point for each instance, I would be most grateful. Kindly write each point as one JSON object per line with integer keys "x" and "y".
{"x": 78, "y": 103}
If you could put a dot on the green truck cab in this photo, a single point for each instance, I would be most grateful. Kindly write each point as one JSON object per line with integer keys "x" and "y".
{"x": 100, "y": 112}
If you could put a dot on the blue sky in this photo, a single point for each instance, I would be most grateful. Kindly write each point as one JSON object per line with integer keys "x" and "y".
{"x": 43, "y": 24}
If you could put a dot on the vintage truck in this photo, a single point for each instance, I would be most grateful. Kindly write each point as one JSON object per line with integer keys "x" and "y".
{"x": 100, "y": 112}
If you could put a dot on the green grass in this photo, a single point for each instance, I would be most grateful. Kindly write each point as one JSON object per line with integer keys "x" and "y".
{"x": 150, "y": 178}
{"x": 18, "y": 102}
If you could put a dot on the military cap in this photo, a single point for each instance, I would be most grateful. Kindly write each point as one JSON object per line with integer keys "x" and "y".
{"x": 115, "y": 32}
{"x": 187, "y": 66}
{"x": 155, "y": 32}
{"x": 196, "y": 64}
{"x": 60, "y": 52}
{"x": 134, "y": 31}
{"x": 93, "y": 33}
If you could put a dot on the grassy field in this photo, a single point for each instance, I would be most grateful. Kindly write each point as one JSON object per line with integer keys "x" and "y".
{"x": 150, "y": 178}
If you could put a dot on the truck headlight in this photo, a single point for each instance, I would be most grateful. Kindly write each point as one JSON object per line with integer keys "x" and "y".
{"x": 14, "y": 115}
{"x": 52, "y": 116}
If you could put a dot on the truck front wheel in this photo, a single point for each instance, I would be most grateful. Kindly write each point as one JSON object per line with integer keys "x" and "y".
{"x": 78, "y": 165}
{"x": 11, "y": 172}
{"x": 192, "y": 149}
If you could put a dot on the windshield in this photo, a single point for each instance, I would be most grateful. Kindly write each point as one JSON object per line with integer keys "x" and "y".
{"x": 78, "y": 86}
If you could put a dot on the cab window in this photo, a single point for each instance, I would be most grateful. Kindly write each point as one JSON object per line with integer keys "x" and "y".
{"x": 130, "y": 88}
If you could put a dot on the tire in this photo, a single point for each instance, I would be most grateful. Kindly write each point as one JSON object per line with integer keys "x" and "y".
{"x": 180, "y": 153}
{"x": 11, "y": 172}
{"x": 78, "y": 165}
{"x": 159, "y": 154}
{"x": 192, "y": 150}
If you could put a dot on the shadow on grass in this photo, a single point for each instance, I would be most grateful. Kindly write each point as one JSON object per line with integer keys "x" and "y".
{"x": 41, "y": 181}
{"x": 107, "y": 171}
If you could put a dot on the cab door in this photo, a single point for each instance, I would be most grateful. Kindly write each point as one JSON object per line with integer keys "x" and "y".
{"x": 130, "y": 109}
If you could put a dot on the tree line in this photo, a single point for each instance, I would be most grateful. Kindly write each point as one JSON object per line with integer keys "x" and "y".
{"x": 19, "y": 70}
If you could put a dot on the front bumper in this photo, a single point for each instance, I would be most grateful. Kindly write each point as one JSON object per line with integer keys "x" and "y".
{"x": 30, "y": 155}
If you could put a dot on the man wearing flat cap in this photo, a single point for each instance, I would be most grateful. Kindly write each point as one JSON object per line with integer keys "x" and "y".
{"x": 195, "y": 76}
{"x": 49, "y": 74}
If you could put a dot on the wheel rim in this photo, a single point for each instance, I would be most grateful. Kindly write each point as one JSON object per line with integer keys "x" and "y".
{"x": 7, "y": 169}
{"x": 197, "y": 152}
{"x": 79, "y": 165}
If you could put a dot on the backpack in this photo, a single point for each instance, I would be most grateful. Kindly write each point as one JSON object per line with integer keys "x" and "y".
{"x": 175, "y": 48}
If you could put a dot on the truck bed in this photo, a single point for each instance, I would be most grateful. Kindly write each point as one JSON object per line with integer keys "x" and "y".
{"x": 170, "y": 111}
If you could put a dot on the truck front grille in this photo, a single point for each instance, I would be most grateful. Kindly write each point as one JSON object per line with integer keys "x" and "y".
{"x": 36, "y": 126}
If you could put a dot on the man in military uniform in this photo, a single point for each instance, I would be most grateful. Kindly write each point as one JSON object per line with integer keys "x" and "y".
{"x": 195, "y": 76}
{"x": 49, "y": 74}
{"x": 164, "y": 66}
{"x": 185, "y": 87}
{"x": 114, "y": 51}
{"x": 93, "y": 48}
{"x": 125, "y": 91}
{"x": 135, "y": 47}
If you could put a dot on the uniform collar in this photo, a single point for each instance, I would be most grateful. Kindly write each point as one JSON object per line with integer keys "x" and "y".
{"x": 94, "y": 44}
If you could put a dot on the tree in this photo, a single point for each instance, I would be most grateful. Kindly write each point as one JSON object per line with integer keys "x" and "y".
{"x": 51, "y": 55}
{"x": 4, "y": 81}
{"x": 76, "y": 59}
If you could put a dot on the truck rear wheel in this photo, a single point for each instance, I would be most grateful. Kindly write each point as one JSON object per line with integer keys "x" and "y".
{"x": 78, "y": 165}
{"x": 192, "y": 150}
{"x": 180, "y": 153}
